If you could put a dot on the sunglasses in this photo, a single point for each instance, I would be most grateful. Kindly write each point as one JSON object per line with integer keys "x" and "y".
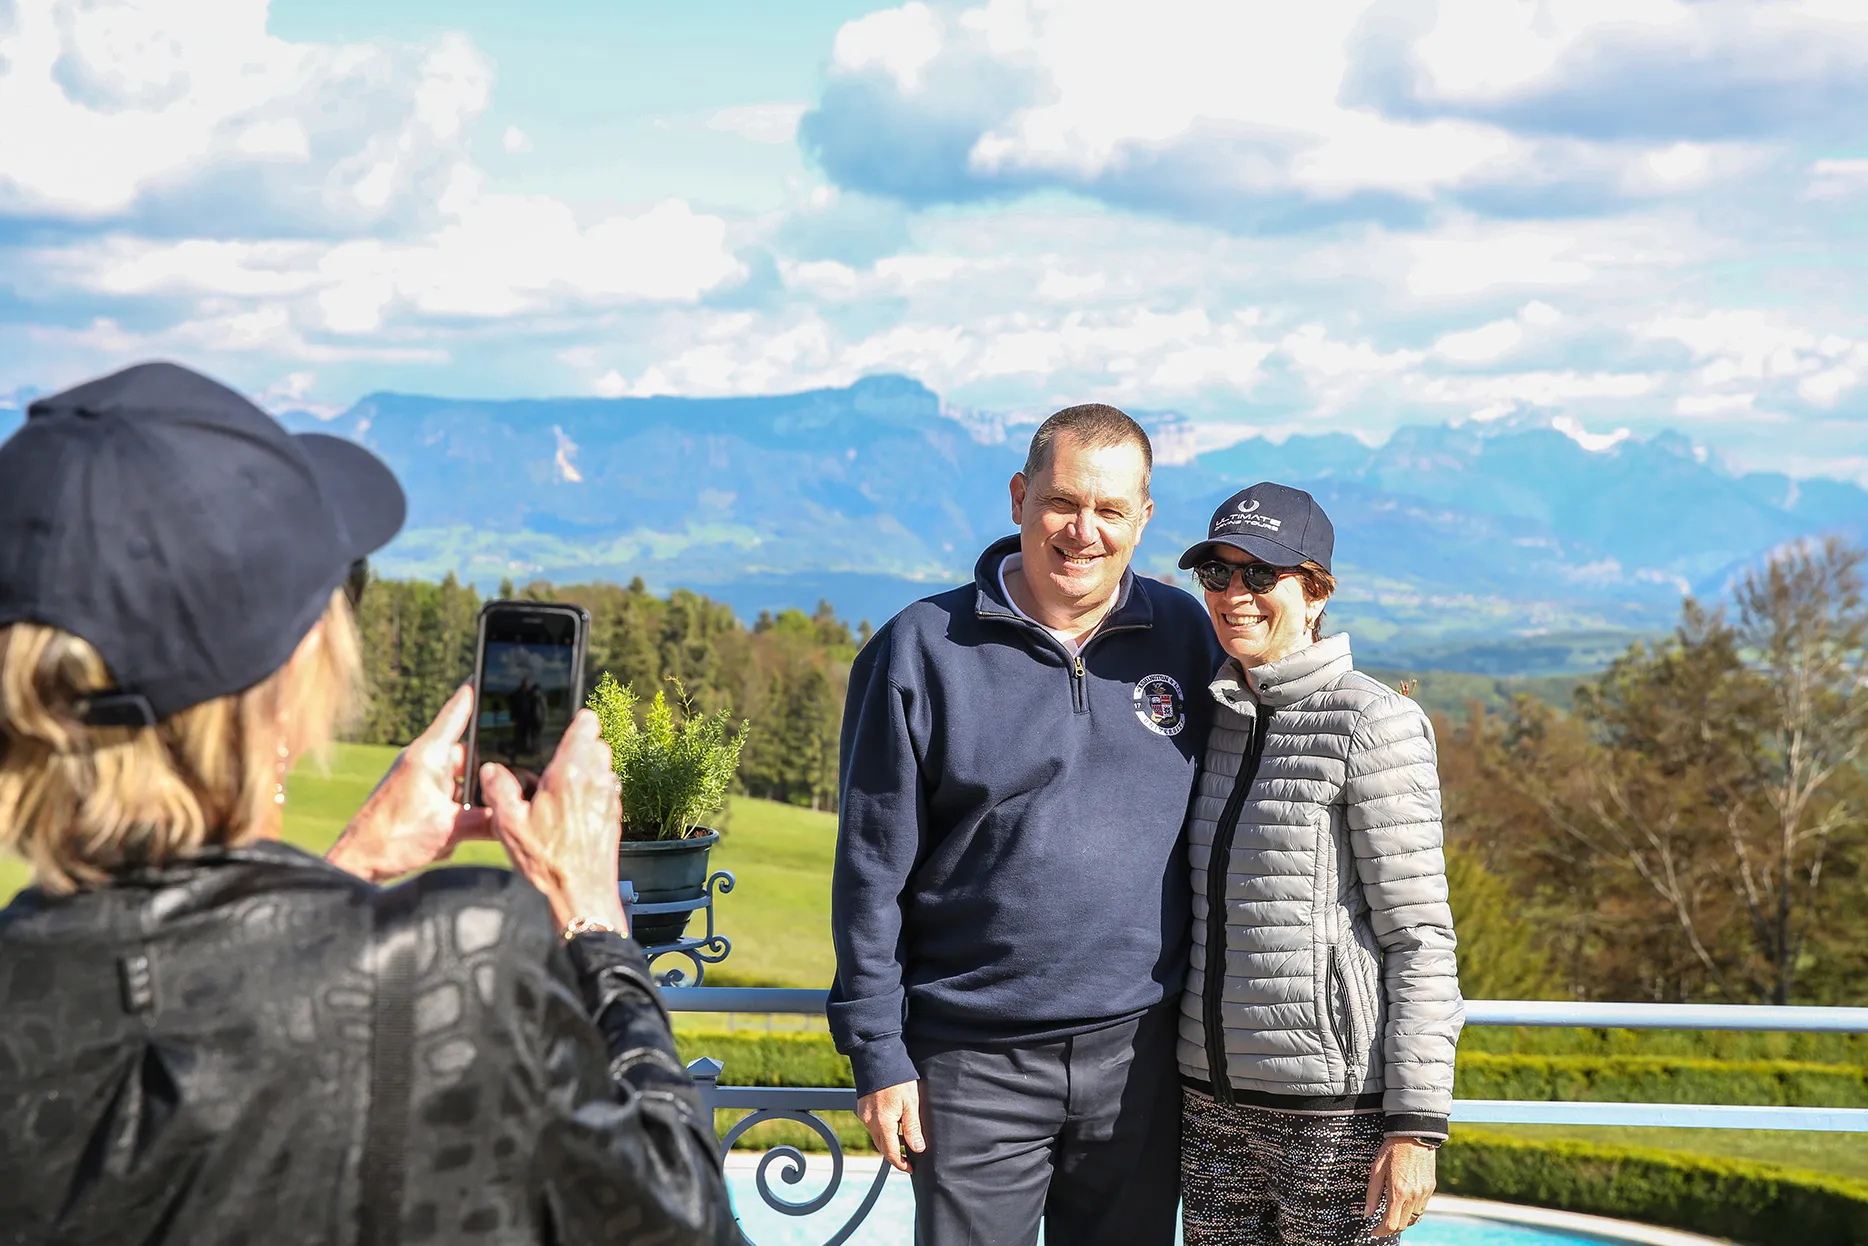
{"x": 1260, "y": 577}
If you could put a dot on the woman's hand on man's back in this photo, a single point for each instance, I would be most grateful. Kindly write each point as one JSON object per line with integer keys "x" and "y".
{"x": 414, "y": 817}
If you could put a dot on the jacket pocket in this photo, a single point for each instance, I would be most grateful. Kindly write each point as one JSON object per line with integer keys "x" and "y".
{"x": 1339, "y": 1012}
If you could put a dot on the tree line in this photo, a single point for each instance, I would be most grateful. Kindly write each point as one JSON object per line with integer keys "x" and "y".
{"x": 785, "y": 674}
{"x": 1693, "y": 827}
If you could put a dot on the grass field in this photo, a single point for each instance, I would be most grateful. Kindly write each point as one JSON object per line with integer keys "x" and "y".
{"x": 778, "y": 918}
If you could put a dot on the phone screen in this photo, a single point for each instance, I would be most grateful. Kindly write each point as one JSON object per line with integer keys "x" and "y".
{"x": 530, "y": 670}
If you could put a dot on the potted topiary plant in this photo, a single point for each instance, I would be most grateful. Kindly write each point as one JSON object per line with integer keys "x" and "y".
{"x": 671, "y": 775}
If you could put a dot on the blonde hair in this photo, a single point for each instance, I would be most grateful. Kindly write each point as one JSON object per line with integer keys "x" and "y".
{"x": 83, "y": 803}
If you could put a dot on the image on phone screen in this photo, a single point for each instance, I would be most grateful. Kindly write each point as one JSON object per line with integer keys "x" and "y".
{"x": 528, "y": 694}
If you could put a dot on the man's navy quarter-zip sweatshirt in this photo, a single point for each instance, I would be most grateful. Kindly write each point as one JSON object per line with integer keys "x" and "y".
{"x": 1009, "y": 864}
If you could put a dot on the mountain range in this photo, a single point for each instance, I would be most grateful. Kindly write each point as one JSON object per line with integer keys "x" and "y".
{"x": 1515, "y": 546}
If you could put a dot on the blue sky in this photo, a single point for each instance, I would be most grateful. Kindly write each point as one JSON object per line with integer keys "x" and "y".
{"x": 1343, "y": 215}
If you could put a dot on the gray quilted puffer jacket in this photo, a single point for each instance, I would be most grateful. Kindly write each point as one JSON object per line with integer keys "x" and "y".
{"x": 1341, "y": 993}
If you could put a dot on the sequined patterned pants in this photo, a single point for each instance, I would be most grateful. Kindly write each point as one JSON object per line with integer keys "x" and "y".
{"x": 1250, "y": 1177}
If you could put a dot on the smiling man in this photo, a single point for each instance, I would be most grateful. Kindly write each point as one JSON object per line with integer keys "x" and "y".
{"x": 1010, "y": 903}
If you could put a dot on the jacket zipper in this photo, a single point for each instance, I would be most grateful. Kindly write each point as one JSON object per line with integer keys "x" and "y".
{"x": 1079, "y": 680}
{"x": 1335, "y": 1011}
{"x": 1073, "y": 661}
{"x": 1218, "y": 863}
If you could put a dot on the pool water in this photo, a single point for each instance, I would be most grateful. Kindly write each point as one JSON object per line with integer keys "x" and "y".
{"x": 891, "y": 1221}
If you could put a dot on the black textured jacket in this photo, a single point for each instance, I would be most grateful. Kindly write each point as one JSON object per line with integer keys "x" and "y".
{"x": 187, "y": 1056}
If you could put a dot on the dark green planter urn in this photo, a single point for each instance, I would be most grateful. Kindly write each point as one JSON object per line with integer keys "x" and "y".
{"x": 664, "y": 871}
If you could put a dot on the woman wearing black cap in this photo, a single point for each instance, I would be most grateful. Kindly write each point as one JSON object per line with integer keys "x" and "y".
{"x": 1322, "y": 1004}
{"x": 209, "y": 1036}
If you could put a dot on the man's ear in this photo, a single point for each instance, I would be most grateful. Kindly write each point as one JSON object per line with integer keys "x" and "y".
{"x": 1019, "y": 485}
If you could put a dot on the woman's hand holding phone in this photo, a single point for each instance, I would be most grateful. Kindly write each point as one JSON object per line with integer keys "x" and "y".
{"x": 414, "y": 817}
{"x": 564, "y": 839}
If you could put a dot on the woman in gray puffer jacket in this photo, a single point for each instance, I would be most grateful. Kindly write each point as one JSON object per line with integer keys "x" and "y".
{"x": 1337, "y": 1005}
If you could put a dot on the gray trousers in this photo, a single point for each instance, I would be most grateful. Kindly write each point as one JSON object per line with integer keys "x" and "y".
{"x": 1079, "y": 1133}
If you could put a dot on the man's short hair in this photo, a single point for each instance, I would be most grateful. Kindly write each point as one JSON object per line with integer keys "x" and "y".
{"x": 1092, "y": 425}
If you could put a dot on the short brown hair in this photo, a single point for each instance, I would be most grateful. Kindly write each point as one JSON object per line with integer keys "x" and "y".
{"x": 82, "y": 803}
{"x": 1318, "y": 585}
{"x": 1093, "y": 424}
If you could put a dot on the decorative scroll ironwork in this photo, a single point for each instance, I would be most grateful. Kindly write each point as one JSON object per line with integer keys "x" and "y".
{"x": 786, "y": 1103}
{"x": 794, "y": 1171}
{"x": 702, "y": 951}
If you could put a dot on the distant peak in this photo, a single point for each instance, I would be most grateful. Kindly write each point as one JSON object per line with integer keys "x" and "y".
{"x": 892, "y": 385}
{"x": 1520, "y": 419}
{"x": 1680, "y": 444}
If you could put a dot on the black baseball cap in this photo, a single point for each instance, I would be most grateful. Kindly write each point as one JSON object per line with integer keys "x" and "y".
{"x": 1273, "y": 523}
{"x": 182, "y": 531}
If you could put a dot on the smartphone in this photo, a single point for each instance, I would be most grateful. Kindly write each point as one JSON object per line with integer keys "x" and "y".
{"x": 528, "y": 678}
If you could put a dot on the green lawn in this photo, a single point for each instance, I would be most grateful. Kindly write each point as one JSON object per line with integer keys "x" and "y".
{"x": 778, "y": 917}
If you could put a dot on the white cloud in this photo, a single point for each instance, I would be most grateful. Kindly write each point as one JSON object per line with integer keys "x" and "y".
{"x": 1539, "y": 313}
{"x": 1063, "y": 287}
{"x": 1486, "y": 342}
{"x": 1576, "y": 66}
{"x": 1836, "y": 179}
{"x": 1241, "y": 113}
{"x": 495, "y": 255}
{"x": 1827, "y": 386}
{"x": 1715, "y": 404}
{"x": 1748, "y": 347}
{"x": 760, "y": 123}
{"x": 293, "y": 197}
{"x": 827, "y": 279}
{"x": 901, "y": 42}
{"x": 183, "y": 106}
{"x": 1548, "y": 389}
{"x": 515, "y": 140}
{"x": 1496, "y": 338}
{"x": 223, "y": 332}
{"x": 1463, "y": 262}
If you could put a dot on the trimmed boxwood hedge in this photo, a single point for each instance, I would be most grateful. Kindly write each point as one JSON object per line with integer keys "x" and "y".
{"x": 1694, "y": 1044}
{"x": 754, "y": 1059}
{"x": 1756, "y": 1204}
{"x": 1660, "y": 1079}
{"x": 768, "y": 1059}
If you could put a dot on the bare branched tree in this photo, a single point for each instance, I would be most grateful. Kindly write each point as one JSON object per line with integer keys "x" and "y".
{"x": 1802, "y": 623}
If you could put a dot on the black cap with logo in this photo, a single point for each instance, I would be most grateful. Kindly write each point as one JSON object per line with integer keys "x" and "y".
{"x": 182, "y": 531}
{"x": 1273, "y": 523}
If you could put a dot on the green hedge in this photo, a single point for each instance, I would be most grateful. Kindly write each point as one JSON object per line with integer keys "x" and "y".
{"x": 1694, "y": 1044}
{"x": 1660, "y": 1079}
{"x": 1756, "y": 1204}
{"x": 1477, "y": 1041}
{"x": 769, "y": 1059}
{"x": 754, "y": 1059}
